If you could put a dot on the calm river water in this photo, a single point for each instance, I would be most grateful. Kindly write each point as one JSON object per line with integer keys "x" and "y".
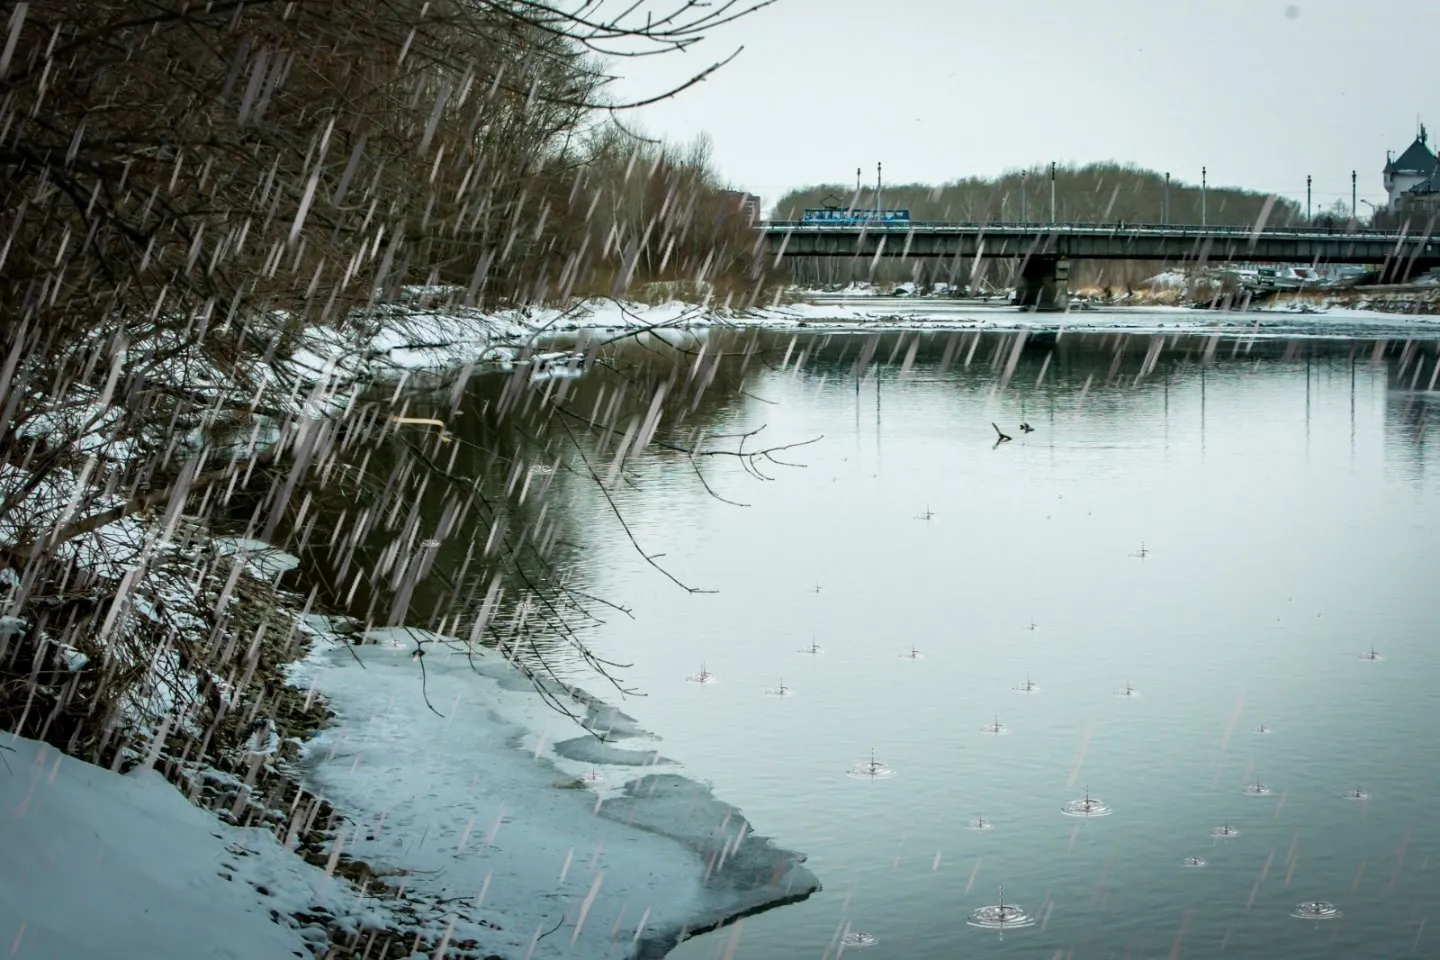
{"x": 1226, "y": 526}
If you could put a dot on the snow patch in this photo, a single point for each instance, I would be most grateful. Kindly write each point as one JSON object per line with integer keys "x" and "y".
{"x": 96, "y": 864}
{"x": 262, "y": 561}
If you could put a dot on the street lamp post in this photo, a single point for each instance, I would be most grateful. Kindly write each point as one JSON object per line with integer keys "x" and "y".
{"x": 1052, "y": 191}
{"x": 1354, "y": 211}
{"x": 1204, "y": 174}
{"x": 1307, "y": 198}
{"x": 1165, "y": 210}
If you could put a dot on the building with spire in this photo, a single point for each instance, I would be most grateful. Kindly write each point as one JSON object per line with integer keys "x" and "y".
{"x": 1412, "y": 180}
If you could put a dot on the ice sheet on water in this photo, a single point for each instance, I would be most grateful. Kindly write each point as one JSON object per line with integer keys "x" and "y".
{"x": 405, "y": 638}
{"x": 748, "y": 873}
{"x": 446, "y": 775}
{"x": 611, "y": 723}
{"x": 598, "y": 717}
{"x": 592, "y": 751}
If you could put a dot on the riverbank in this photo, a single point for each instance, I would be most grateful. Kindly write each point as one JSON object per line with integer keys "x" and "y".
{"x": 1419, "y": 301}
{"x": 187, "y": 675}
{"x": 443, "y": 810}
{"x": 433, "y": 337}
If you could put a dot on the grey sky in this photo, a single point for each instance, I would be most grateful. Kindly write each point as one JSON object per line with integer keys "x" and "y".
{"x": 937, "y": 89}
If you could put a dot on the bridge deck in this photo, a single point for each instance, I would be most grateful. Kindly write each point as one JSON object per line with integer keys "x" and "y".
{"x": 1090, "y": 241}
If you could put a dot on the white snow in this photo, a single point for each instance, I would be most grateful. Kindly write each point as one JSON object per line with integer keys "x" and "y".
{"x": 95, "y": 864}
{"x": 452, "y": 777}
{"x": 1168, "y": 279}
{"x": 262, "y": 560}
{"x": 411, "y": 338}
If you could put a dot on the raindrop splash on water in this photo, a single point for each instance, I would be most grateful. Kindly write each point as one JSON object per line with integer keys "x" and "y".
{"x": 1087, "y": 806}
{"x": 1001, "y": 916}
{"x": 871, "y": 769}
{"x": 1256, "y": 789}
{"x": 1223, "y": 831}
{"x": 997, "y": 728}
{"x": 704, "y": 677}
{"x": 781, "y": 690}
{"x": 858, "y": 938}
{"x": 1316, "y": 910}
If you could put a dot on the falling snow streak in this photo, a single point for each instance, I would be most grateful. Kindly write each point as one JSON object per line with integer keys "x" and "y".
{"x": 1080, "y": 755}
{"x": 1180, "y": 934}
{"x": 1399, "y": 859}
{"x": 1264, "y": 872}
{"x": 1235, "y": 714}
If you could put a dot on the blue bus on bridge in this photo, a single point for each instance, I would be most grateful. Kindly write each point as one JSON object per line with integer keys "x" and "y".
{"x": 850, "y": 217}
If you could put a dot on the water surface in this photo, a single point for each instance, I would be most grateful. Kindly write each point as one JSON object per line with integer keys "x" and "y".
{"x": 1287, "y": 516}
{"x": 1225, "y": 524}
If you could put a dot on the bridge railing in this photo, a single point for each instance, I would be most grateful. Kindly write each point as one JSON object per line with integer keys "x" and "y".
{"x": 1106, "y": 229}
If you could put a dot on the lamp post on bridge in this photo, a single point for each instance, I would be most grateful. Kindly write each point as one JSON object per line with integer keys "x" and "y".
{"x": 1204, "y": 174}
{"x": 1308, "y": 219}
{"x": 1024, "y": 207}
{"x": 1165, "y": 210}
{"x": 1052, "y": 191}
{"x": 1354, "y": 213}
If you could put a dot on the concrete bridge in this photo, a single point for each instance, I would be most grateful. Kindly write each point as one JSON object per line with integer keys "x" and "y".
{"x": 1046, "y": 249}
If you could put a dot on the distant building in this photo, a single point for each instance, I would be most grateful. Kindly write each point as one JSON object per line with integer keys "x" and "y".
{"x": 1422, "y": 201}
{"x": 1410, "y": 179}
{"x": 747, "y": 203}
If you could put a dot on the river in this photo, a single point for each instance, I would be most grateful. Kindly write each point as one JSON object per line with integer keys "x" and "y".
{"x": 1224, "y": 526}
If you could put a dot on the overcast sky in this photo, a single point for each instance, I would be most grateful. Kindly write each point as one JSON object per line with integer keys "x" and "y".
{"x": 1260, "y": 92}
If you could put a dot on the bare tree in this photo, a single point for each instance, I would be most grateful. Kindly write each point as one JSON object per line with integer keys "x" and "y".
{"x": 189, "y": 189}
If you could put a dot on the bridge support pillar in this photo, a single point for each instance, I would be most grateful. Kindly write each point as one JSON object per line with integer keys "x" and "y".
{"x": 1044, "y": 284}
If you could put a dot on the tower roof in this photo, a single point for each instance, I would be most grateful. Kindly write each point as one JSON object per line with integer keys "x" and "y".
{"x": 1417, "y": 159}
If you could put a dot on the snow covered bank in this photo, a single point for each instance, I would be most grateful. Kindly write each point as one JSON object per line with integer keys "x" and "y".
{"x": 409, "y": 339}
{"x": 421, "y": 334}
{"x": 96, "y": 864}
{"x": 454, "y": 786}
